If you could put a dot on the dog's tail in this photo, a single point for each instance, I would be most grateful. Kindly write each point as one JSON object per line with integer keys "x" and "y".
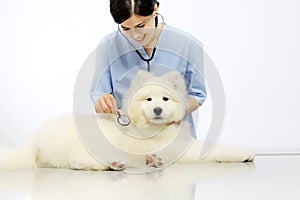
{"x": 17, "y": 158}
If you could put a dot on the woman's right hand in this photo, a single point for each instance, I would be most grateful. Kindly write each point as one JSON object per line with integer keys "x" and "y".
{"x": 106, "y": 104}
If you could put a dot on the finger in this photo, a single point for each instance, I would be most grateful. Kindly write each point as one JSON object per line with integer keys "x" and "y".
{"x": 108, "y": 99}
{"x": 98, "y": 108}
{"x": 107, "y": 105}
{"x": 112, "y": 103}
{"x": 114, "y": 106}
{"x": 103, "y": 104}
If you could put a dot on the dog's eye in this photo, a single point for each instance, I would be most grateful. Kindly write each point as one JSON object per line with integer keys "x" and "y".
{"x": 149, "y": 99}
{"x": 165, "y": 98}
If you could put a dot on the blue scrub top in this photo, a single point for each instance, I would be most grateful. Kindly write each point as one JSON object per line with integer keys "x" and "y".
{"x": 117, "y": 63}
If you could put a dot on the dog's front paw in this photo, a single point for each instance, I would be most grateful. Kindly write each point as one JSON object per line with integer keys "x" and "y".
{"x": 117, "y": 166}
{"x": 153, "y": 160}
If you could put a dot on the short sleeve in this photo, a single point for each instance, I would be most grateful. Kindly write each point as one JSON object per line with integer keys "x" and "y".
{"x": 194, "y": 73}
{"x": 102, "y": 77}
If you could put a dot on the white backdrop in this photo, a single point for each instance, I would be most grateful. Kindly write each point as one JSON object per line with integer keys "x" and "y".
{"x": 254, "y": 45}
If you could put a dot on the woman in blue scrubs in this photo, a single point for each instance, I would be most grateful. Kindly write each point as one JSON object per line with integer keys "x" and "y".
{"x": 142, "y": 42}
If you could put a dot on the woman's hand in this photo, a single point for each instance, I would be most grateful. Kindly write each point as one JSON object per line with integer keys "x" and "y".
{"x": 106, "y": 104}
{"x": 192, "y": 105}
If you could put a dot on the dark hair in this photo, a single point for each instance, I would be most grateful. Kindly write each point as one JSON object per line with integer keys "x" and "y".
{"x": 121, "y": 10}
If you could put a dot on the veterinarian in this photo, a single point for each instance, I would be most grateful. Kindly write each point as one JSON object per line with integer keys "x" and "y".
{"x": 144, "y": 42}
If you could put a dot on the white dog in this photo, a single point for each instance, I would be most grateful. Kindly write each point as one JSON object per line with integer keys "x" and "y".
{"x": 157, "y": 134}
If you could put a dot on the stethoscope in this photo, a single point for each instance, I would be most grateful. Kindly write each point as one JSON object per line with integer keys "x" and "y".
{"x": 148, "y": 60}
{"x": 124, "y": 120}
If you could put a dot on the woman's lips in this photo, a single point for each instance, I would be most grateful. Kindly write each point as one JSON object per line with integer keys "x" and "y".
{"x": 140, "y": 39}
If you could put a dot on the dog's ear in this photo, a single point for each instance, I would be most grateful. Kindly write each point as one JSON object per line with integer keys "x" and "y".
{"x": 140, "y": 77}
{"x": 176, "y": 80}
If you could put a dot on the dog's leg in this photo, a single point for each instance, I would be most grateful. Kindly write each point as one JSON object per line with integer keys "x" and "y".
{"x": 218, "y": 153}
{"x": 153, "y": 160}
{"x": 117, "y": 166}
{"x": 230, "y": 154}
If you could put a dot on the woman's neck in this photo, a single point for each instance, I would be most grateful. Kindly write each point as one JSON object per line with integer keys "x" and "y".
{"x": 153, "y": 42}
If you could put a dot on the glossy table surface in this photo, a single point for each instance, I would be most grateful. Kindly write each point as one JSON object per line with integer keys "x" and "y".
{"x": 268, "y": 177}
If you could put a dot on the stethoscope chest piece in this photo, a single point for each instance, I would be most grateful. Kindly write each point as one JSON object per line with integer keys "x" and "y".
{"x": 123, "y": 120}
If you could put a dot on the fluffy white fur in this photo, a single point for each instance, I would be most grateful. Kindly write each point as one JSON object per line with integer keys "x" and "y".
{"x": 152, "y": 103}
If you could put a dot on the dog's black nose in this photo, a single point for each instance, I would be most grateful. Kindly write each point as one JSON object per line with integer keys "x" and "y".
{"x": 157, "y": 110}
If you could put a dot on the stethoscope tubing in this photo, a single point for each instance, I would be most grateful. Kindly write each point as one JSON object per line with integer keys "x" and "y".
{"x": 124, "y": 120}
{"x": 137, "y": 51}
